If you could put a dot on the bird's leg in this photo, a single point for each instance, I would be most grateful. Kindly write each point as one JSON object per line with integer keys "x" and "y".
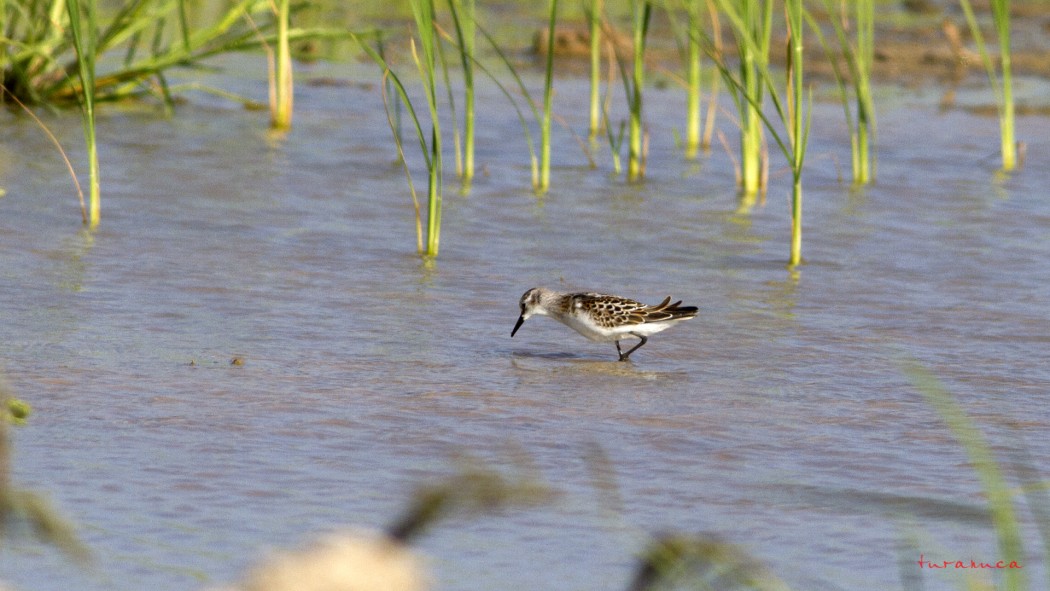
{"x": 624, "y": 356}
{"x": 619, "y": 351}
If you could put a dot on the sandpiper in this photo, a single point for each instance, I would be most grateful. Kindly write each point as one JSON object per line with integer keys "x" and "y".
{"x": 603, "y": 318}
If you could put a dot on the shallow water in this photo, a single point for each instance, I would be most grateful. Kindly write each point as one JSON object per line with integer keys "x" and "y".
{"x": 779, "y": 419}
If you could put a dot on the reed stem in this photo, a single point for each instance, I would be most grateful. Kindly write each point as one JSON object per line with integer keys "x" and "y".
{"x": 423, "y": 11}
{"x": 641, "y": 10}
{"x": 795, "y": 118}
{"x": 753, "y": 39}
{"x": 795, "y": 113}
{"x": 1003, "y": 91}
{"x": 693, "y": 71}
{"x": 863, "y": 170}
{"x": 282, "y": 92}
{"x": 859, "y": 55}
{"x": 464, "y": 14}
{"x": 595, "y": 21}
{"x": 712, "y": 102}
{"x": 1001, "y": 15}
{"x": 85, "y": 43}
{"x": 548, "y": 93}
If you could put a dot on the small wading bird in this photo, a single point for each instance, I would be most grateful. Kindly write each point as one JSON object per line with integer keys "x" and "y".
{"x": 603, "y": 318}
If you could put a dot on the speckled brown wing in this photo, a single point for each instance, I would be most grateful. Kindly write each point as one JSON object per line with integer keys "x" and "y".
{"x": 611, "y": 311}
{"x": 608, "y": 311}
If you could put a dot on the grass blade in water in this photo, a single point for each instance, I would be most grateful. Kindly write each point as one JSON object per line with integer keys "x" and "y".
{"x": 85, "y": 44}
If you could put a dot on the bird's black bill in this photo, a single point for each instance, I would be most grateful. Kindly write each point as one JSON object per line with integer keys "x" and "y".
{"x": 517, "y": 325}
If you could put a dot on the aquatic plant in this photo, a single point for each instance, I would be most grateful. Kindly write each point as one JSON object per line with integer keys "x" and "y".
{"x": 56, "y": 143}
{"x": 698, "y": 130}
{"x": 714, "y": 90}
{"x": 1003, "y": 91}
{"x": 49, "y": 52}
{"x": 859, "y": 55}
{"x": 594, "y": 23}
{"x": 692, "y": 135}
{"x": 37, "y": 51}
{"x": 464, "y": 14}
{"x": 423, "y": 13}
{"x": 281, "y": 86}
{"x": 85, "y": 43}
{"x": 544, "y": 182}
{"x": 751, "y": 22}
{"x": 429, "y": 143}
{"x": 641, "y": 11}
{"x": 794, "y": 113}
{"x": 691, "y": 59}
{"x": 798, "y": 131}
{"x": 996, "y": 489}
{"x": 533, "y": 159}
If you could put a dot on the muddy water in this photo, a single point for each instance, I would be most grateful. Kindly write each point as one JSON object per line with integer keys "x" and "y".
{"x": 780, "y": 419}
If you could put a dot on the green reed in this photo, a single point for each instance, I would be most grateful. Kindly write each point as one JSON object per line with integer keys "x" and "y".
{"x": 429, "y": 143}
{"x": 464, "y": 13}
{"x": 694, "y": 54}
{"x": 508, "y": 63}
{"x": 716, "y": 48}
{"x": 594, "y": 22}
{"x": 698, "y": 131}
{"x": 58, "y": 146}
{"x": 996, "y": 489}
{"x": 38, "y": 60}
{"x": 751, "y": 22}
{"x": 798, "y": 131}
{"x": 281, "y": 87}
{"x": 423, "y": 13}
{"x": 859, "y": 55}
{"x": 85, "y": 43}
{"x": 1003, "y": 90}
{"x": 747, "y": 90}
{"x": 641, "y": 11}
{"x": 548, "y": 95}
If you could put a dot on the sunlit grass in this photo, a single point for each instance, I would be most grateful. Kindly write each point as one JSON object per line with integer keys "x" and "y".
{"x": 751, "y": 24}
{"x": 427, "y": 244}
{"x": 641, "y": 11}
{"x": 85, "y": 42}
{"x": 693, "y": 70}
{"x": 756, "y": 80}
{"x": 39, "y": 63}
{"x": 544, "y": 181}
{"x": 464, "y": 17}
{"x": 859, "y": 54}
{"x": 1004, "y": 89}
{"x": 423, "y": 12}
{"x": 595, "y": 13}
{"x": 282, "y": 86}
